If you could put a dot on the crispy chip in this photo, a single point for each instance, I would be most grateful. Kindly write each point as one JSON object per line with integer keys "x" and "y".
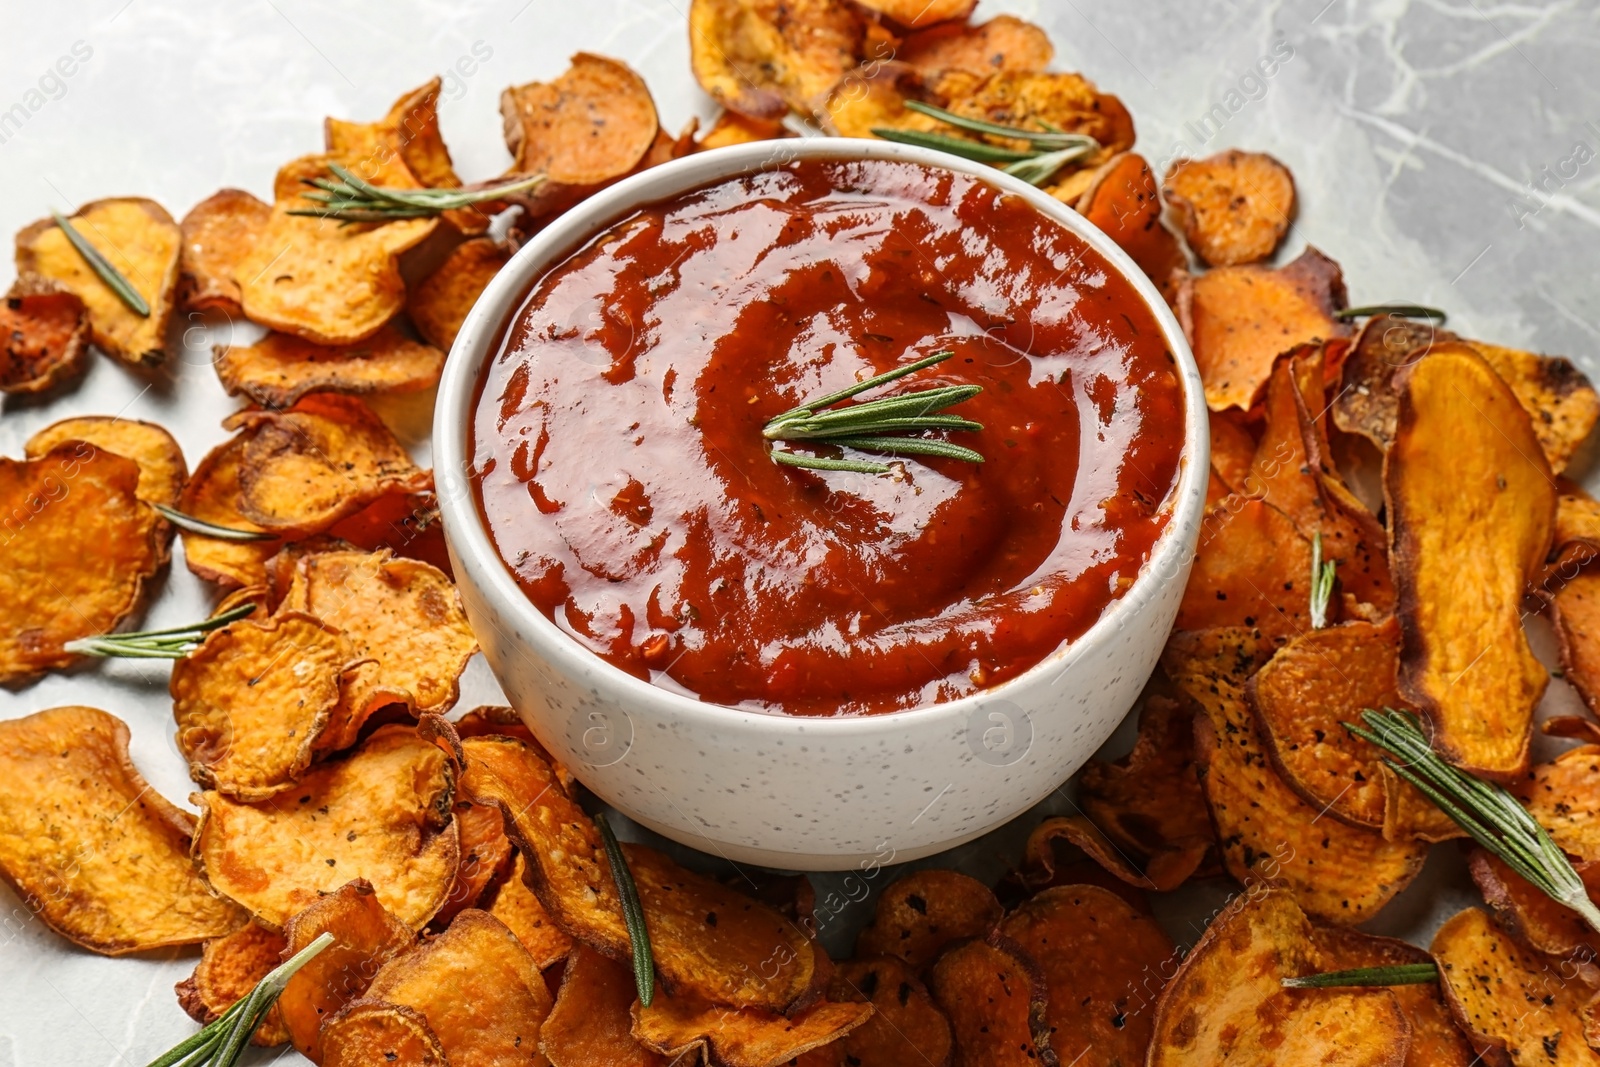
{"x": 162, "y": 470}
{"x": 1575, "y": 615}
{"x": 1367, "y": 403}
{"x": 764, "y": 57}
{"x": 1564, "y": 796}
{"x": 89, "y": 847}
{"x": 485, "y": 856}
{"x": 1165, "y": 871}
{"x": 994, "y": 997}
{"x": 369, "y": 1031}
{"x": 918, "y": 915}
{"x": 748, "y": 1037}
{"x": 516, "y": 905}
{"x": 1124, "y": 202}
{"x": 46, "y": 331}
{"x": 1556, "y": 395}
{"x": 1235, "y": 205}
{"x": 591, "y": 1024}
{"x": 875, "y": 97}
{"x": 365, "y": 938}
{"x": 76, "y": 549}
{"x": 1225, "y": 1004}
{"x": 916, "y": 14}
{"x": 1471, "y": 504}
{"x": 906, "y": 1027}
{"x": 281, "y": 368}
{"x": 406, "y": 523}
{"x": 1033, "y": 100}
{"x": 592, "y": 124}
{"x": 141, "y": 241}
{"x": 1338, "y": 873}
{"x": 439, "y": 305}
{"x": 229, "y": 968}
{"x": 1528, "y": 912}
{"x": 1436, "y": 1041}
{"x": 212, "y": 495}
{"x": 732, "y": 128}
{"x": 1233, "y": 450}
{"x": 1094, "y": 951}
{"x": 1003, "y": 43}
{"x": 383, "y": 814}
{"x": 217, "y": 233}
{"x": 253, "y": 699}
{"x": 1505, "y": 996}
{"x": 1253, "y": 569}
{"x": 499, "y": 1022}
{"x": 1239, "y": 319}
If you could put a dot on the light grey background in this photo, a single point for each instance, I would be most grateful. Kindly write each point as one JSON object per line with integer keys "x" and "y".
{"x": 1415, "y": 129}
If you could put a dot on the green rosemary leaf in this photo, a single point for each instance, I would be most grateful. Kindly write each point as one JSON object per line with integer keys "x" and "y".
{"x": 977, "y": 151}
{"x": 352, "y": 199}
{"x": 820, "y": 463}
{"x": 1051, "y": 138}
{"x": 1399, "y": 974}
{"x": 867, "y": 383}
{"x": 1036, "y": 170}
{"x": 1404, "y": 311}
{"x": 102, "y": 266}
{"x": 644, "y": 967}
{"x": 911, "y": 446}
{"x": 1322, "y": 575}
{"x": 173, "y": 643}
{"x": 210, "y": 529}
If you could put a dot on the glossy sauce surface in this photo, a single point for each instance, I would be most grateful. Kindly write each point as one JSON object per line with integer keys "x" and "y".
{"x": 623, "y": 476}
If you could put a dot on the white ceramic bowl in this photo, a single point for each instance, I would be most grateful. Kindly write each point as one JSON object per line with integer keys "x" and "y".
{"x": 790, "y": 792}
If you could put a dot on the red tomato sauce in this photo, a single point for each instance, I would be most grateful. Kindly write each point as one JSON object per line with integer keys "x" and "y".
{"x": 622, "y": 473}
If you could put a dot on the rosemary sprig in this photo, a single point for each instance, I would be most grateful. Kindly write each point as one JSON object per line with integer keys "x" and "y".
{"x": 1404, "y": 311}
{"x": 1398, "y": 974}
{"x": 156, "y": 644}
{"x": 881, "y": 425}
{"x": 351, "y": 199}
{"x": 210, "y": 529}
{"x": 1489, "y": 814}
{"x": 1049, "y": 149}
{"x": 644, "y": 963}
{"x": 1321, "y": 583}
{"x": 102, "y": 266}
{"x": 221, "y": 1042}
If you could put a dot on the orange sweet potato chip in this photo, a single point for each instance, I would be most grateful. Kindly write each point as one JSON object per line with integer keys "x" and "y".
{"x": 141, "y": 241}
{"x": 994, "y": 997}
{"x": 162, "y": 470}
{"x": 918, "y": 915}
{"x": 76, "y": 549}
{"x": 212, "y": 495}
{"x": 369, "y": 1031}
{"x": 1074, "y": 835}
{"x": 762, "y": 58}
{"x": 1235, "y": 206}
{"x": 592, "y": 124}
{"x": 591, "y": 1024}
{"x": 1253, "y": 569}
{"x": 518, "y": 907}
{"x": 1575, "y": 615}
{"x": 906, "y": 1026}
{"x": 382, "y": 814}
{"x": 485, "y": 856}
{"x": 874, "y": 97}
{"x": 1233, "y": 450}
{"x": 1339, "y": 873}
{"x": 1471, "y": 506}
{"x": 731, "y": 128}
{"x": 498, "y": 1023}
{"x": 1556, "y": 395}
{"x": 229, "y": 968}
{"x": 1124, "y": 202}
{"x": 1035, "y": 100}
{"x": 915, "y": 14}
{"x": 1436, "y": 1041}
{"x": 1226, "y": 1003}
{"x": 89, "y": 847}
{"x": 365, "y": 938}
{"x": 46, "y": 331}
{"x": 281, "y": 368}
{"x": 747, "y": 1037}
{"x": 1528, "y": 912}
{"x": 1005, "y": 42}
{"x": 1367, "y": 402}
{"x": 1564, "y": 795}
{"x": 1240, "y": 319}
{"x": 439, "y": 305}
{"x": 1507, "y": 997}
{"x": 217, "y": 233}
{"x": 254, "y": 698}
{"x": 1094, "y": 951}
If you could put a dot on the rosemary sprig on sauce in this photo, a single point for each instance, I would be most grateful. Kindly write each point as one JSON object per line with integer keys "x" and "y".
{"x": 221, "y": 1042}
{"x": 1403, "y": 311}
{"x": 1321, "y": 583}
{"x": 644, "y": 963}
{"x": 102, "y": 266}
{"x": 210, "y": 529}
{"x": 882, "y": 425}
{"x": 1049, "y": 149}
{"x": 1489, "y": 814}
{"x": 156, "y": 644}
{"x": 351, "y": 199}
{"x": 1398, "y": 974}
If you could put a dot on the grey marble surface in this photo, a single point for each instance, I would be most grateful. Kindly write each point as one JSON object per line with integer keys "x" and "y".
{"x": 1445, "y": 152}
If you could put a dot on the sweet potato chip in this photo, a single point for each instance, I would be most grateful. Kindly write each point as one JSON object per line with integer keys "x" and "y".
{"x": 731, "y": 128}
{"x": 1557, "y": 396}
{"x": 281, "y": 368}
{"x": 76, "y": 549}
{"x": 369, "y": 1031}
{"x": 141, "y": 241}
{"x": 1235, "y": 206}
{"x": 1005, "y": 42}
{"x": 747, "y": 1037}
{"x": 415, "y": 117}
{"x": 591, "y": 1024}
{"x": 1564, "y": 795}
{"x": 1239, "y": 319}
{"x": 485, "y": 856}
{"x": 1226, "y": 1003}
{"x": 1253, "y": 569}
{"x": 1033, "y": 100}
{"x": 994, "y": 997}
{"x": 439, "y": 305}
{"x": 762, "y": 57}
{"x": 1575, "y": 615}
{"x": 516, "y": 905}
{"x": 1471, "y": 506}
{"x": 1094, "y": 951}
{"x": 874, "y": 97}
{"x": 1339, "y": 873}
{"x": 162, "y": 470}
{"x": 1505, "y": 996}
{"x": 1165, "y": 871}
{"x": 253, "y": 699}
{"x": 383, "y": 814}
{"x": 212, "y": 495}
{"x": 46, "y": 331}
{"x": 229, "y": 968}
{"x": 217, "y": 233}
{"x": 1124, "y": 202}
{"x": 1528, "y": 912}
{"x": 1366, "y": 402}
{"x": 89, "y": 847}
{"x": 906, "y": 1026}
{"x": 592, "y": 124}
{"x": 1233, "y": 450}
{"x": 499, "y": 1022}
{"x": 916, "y": 14}
{"x": 918, "y": 915}
{"x": 365, "y": 938}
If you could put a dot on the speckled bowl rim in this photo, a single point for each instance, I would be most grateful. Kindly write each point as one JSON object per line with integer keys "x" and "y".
{"x": 476, "y": 342}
